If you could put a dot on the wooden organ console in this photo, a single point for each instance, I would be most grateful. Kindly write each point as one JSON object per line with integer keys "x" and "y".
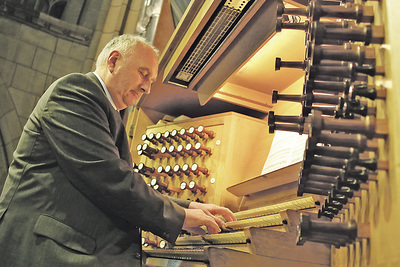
{"x": 343, "y": 212}
{"x": 199, "y": 158}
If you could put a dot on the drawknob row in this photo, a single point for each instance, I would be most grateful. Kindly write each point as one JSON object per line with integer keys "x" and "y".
{"x": 192, "y": 186}
{"x": 338, "y": 114}
{"x": 188, "y": 150}
{"x": 176, "y": 171}
{"x": 179, "y": 136}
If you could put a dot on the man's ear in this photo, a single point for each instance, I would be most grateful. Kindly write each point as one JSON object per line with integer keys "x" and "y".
{"x": 112, "y": 60}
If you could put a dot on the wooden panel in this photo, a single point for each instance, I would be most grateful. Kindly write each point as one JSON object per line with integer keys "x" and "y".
{"x": 220, "y": 257}
{"x": 281, "y": 245}
{"x": 244, "y": 96}
{"x": 259, "y": 72}
{"x": 270, "y": 196}
{"x": 384, "y": 195}
{"x": 292, "y": 218}
{"x": 266, "y": 181}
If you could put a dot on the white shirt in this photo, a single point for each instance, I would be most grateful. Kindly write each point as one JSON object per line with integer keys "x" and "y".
{"x": 106, "y": 90}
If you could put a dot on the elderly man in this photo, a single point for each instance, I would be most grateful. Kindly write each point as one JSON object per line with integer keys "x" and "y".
{"x": 71, "y": 197}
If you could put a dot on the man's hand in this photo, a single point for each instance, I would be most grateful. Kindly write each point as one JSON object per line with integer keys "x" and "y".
{"x": 200, "y": 214}
{"x": 212, "y": 209}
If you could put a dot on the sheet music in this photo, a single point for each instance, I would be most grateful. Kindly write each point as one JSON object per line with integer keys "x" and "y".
{"x": 287, "y": 148}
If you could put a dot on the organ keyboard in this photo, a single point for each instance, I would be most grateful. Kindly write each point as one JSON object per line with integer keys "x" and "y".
{"x": 194, "y": 247}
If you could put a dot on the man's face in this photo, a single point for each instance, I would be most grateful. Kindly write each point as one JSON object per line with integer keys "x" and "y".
{"x": 132, "y": 75}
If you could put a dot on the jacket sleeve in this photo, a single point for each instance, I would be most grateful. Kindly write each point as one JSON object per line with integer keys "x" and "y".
{"x": 78, "y": 123}
{"x": 181, "y": 202}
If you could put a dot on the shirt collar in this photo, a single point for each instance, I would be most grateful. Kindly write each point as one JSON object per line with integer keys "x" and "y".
{"x": 106, "y": 91}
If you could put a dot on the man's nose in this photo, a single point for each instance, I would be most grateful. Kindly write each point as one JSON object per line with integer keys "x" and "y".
{"x": 146, "y": 87}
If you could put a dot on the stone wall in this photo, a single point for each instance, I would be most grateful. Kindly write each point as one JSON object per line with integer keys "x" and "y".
{"x": 30, "y": 60}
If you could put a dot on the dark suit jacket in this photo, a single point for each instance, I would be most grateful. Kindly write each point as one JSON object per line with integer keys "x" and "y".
{"x": 71, "y": 197}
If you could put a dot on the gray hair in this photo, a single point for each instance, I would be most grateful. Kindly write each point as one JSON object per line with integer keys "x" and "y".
{"x": 125, "y": 44}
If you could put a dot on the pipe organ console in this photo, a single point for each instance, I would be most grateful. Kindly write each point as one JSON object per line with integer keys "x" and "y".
{"x": 198, "y": 159}
{"x": 345, "y": 168}
{"x": 195, "y": 158}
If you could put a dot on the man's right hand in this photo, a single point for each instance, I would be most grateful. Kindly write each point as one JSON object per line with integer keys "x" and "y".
{"x": 196, "y": 217}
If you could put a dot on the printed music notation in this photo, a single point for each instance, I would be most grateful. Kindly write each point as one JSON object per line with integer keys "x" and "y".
{"x": 287, "y": 148}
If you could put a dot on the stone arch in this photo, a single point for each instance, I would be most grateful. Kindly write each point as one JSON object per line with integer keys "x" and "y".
{"x": 57, "y": 8}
